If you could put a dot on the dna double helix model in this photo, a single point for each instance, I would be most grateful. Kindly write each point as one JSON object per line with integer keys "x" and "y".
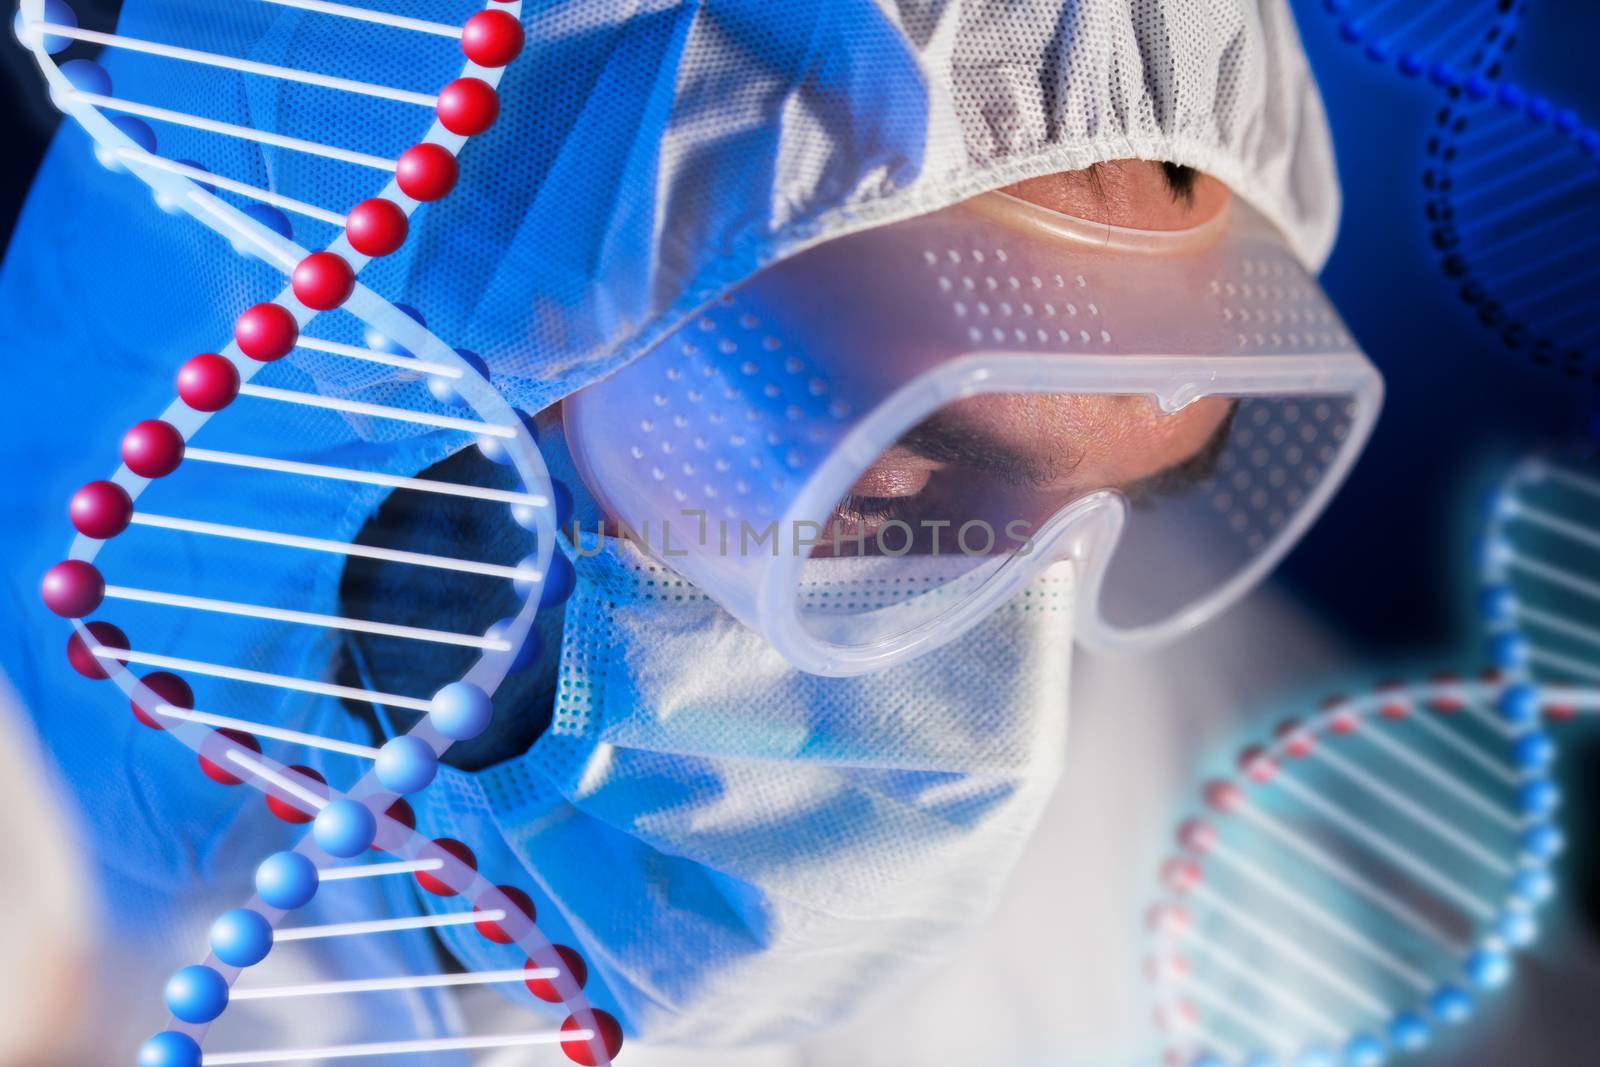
{"x": 162, "y": 536}
{"x": 1512, "y": 181}
{"x": 1360, "y": 881}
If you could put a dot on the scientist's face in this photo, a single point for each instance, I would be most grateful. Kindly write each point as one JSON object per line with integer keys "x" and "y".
{"x": 1018, "y": 456}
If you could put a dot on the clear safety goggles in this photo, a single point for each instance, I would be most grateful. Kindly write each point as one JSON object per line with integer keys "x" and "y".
{"x": 866, "y": 448}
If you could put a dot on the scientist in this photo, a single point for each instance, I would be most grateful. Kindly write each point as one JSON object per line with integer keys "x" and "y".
{"x": 902, "y": 279}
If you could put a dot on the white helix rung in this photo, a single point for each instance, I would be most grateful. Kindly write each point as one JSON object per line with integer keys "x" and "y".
{"x": 1454, "y": 786}
{"x": 1561, "y": 576}
{"x": 380, "y": 411}
{"x": 242, "y": 66}
{"x": 342, "y": 548}
{"x": 388, "y": 481}
{"x": 1473, "y": 753}
{"x": 1254, "y": 1023}
{"x": 270, "y": 247}
{"x": 1434, "y": 824}
{"x": 371, "y": 355}
{"x": 1485, "y": 716}
{"x": 386, "y": 985}
{"x": 363, "y": 14}
{"x": 381, "y": 870}
{"x": 386, "y": 926}
{"x": 1556, "y": 523}
{"x": 1274, "y": 992}
{"x": 1577, "y": 667}
{"x": 1196, "y": 1036}
{"x": 282, "y": 781}
{"x": 277, "y": 681}
{"x": 1385, "y": 847}
{"x": 277, "y": 733}
{"x": 1588, "y": 635}
{"x": 396, "y": 1048}
{"x": 245, "y": 189}
{"x": 1292, "y": 951}
{"x": 228, "y": 129}
{"x": 1323, "y": 919}
{"x": 305, "y": 618}
{"x": 1581, "y": 482}
{"x": 1343, "y": 873}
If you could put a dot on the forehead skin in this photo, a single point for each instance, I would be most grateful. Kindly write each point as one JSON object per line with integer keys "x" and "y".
{"x": 1086, "y": 443}
{"x": 1117, "y": 440}
{"x": 1127, "y": 192}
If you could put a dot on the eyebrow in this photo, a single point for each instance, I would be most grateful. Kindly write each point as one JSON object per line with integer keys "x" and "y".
{"x": 944, "y": 439}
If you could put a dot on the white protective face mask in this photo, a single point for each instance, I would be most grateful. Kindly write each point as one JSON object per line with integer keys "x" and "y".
{"x": 744, "y": 851}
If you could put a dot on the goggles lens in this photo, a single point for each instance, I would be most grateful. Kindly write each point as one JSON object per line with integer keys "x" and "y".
{"x": 1170, "y": 410}
{"x": 972, "y": 492}
{"x": 1223, "y": 517}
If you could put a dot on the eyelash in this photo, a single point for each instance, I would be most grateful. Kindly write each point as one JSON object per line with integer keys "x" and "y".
{"x": 871, "y": 508}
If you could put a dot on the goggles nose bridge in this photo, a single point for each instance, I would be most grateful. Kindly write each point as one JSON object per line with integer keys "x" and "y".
{"x": 1082, "y": 531}
{"x": 1180, "y": 395}
{"x": 1085, "y": 533}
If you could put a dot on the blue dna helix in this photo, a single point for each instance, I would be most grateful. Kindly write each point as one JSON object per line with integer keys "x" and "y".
{"x": 1359, "y": 882}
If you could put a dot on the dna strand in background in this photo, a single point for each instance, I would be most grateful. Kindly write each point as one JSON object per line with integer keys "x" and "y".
{"x": 1359, "y": 881}
{"x": 233, "y": 441}
{"x": 1514, "y": 185}
{"x": 1436, "y": 39}
{"x": 1513, "y": 179}
{"x": 1540, "y": 594}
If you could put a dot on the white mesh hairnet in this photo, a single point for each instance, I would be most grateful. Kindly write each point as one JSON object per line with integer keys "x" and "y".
{"x": 653, "y": 153}
{"x": 656, "y": 153}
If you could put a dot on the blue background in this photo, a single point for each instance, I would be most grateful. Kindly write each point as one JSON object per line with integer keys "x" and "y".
{"x": 1389, "y": 562}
